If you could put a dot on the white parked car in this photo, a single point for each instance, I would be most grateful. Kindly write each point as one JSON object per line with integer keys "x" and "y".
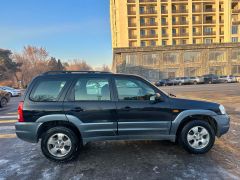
{"x": 228, "y": 79}
{"x": 11, "y": 91}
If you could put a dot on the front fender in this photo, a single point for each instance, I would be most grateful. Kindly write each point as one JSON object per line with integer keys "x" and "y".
{"x": 188, "y": 113}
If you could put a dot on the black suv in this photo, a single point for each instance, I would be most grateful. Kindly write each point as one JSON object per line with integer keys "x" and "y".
{"x": 69, "y": 109}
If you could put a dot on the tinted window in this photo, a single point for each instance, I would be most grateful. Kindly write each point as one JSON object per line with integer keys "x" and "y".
{"x": 133, "y": 90}
{"x": 91, "y": 89}
{"x": 47, "y": 90}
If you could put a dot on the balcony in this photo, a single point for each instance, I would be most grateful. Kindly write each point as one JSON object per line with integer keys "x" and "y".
{"x": 148, "y": 12}
{"x": 212, "y": 33}
{"x": 180, "y": 23}
{"x": 209, "y": 10}
{"x": 180, "y": 11}
{"x": 164, "y": 11}
{"x": 197, "y": 34}
{"x": 209, "y": 22}
{"x": 236, "y": 22}
{"x": 149, "y": 24}
{"x": 180, "y": 34}
{"x": 149, "y": 36}
{"x": 236, "y": 10}
{"x": 196, "y": 10}
{"x": 164, "y": 35}
{"x": 131, "y": 1}
{"x": 147, "y": 1}
{"x": 131, "y": 12}
{"x": 197, "y": 22}
{"x": 132, "y": 24}
{"x": 164, "y": 23}
{"x": 132, "y": 36}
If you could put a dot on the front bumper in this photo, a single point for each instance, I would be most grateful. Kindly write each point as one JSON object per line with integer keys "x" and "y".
{"x": 27, "y": 131}
{"x": 223, "y": 124}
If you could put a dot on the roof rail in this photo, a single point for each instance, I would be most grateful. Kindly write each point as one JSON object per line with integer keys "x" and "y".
{"x": 74, "y": 72}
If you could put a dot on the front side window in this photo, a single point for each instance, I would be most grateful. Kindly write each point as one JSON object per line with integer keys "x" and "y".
{"x": 47, "y": 90}
{"x": 133, "y": 90}
{"x": 91, "y": 89}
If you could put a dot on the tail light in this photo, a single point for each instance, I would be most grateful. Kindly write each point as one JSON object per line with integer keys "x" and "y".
{"x": 20, "y": 112}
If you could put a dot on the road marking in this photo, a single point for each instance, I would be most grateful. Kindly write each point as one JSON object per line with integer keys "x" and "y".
{"x": 7, "y": 127}
{"x": 4, "y": 117}
{"x": 7, "y": 121}
{"x": 7, "y": 136}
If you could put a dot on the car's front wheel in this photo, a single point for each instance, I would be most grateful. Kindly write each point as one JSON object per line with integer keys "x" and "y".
{"x": 3, "y": 102}
{"x": 60, "y": 144}
{"x": 197, "y": 137}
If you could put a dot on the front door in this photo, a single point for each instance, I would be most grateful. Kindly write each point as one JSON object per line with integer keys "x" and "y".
{"x": 138, "y": 112}
{"x": 90, "y": 102}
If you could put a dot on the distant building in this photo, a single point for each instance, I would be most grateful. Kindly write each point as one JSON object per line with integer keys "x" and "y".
{"x": 140, "y": 23}
{"x": 176, "y": 61}
{"x": 172, "y": 38}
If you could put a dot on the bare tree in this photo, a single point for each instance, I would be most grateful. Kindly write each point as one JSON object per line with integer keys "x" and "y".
{"x": 105, "y": 68}
{"x": 34, "y": 61}
{"x": 78, "y": 65}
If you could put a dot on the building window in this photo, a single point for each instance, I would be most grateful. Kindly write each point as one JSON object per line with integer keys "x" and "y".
{"x": 142, "y": 32}
{"x": 174, "y": 31}
{"x": 174, "y": 42}
{"x": 142, "y": 21}
{"x": 217, "y": 56}
{"x": 191, "y": 56}
{"x": 163, "y": 9}
{"x": 208, "y": 19}
{"x": 183, "y": 19}
{"x": 152, "y": 21}
{"x": 164, "y": 21}
{"x": 184, "y": 41}
{"x": 193, "y": 8}
{"x": 208, "y": 30}
{"x": 174, "y": 8}
{"x": 142, "y": 9}
{"x": 143, "y": 43}
{"x": 152, "y": 32}
{"x": 174, "y": 20}
{"x": 164, "y": 31}
{"x": 234, "y": 29}
{"x": 153, "y": 43}
{"x": 194, "y": 41}
{"x": 194, "y": 19}
{"x": 164, "y": 42}
{"x": 236, "y": 70}
{"x": 208, "y": 41}
{"x": 218, "y": 70}
{"x": 131, "y": 60}
{"x": 235, "y": 55}
{"x": 150, "y": 59}
{"x": 234, "y": 39}
{"x": 170, "y": 58}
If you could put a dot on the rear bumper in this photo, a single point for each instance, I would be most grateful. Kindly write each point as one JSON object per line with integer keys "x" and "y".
{"x": 27, "y": 131}
{"x": 223, "y": 124}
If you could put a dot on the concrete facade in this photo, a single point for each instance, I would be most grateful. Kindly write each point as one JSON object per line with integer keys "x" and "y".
{"x": 160, "y": 62}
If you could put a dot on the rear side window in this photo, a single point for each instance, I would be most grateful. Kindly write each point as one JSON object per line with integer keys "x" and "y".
{"x": 47, "y": 90}
{"x": 91, "y": 89}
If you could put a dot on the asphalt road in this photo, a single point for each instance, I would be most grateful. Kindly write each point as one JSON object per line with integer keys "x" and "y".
{"x": 130, "y": 160}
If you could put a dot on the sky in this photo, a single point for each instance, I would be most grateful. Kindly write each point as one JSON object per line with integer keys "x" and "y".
{"x": 68, "y": 29}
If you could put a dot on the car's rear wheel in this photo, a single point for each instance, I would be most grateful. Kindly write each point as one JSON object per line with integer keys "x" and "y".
{"x": 60, "y": 144}
{"x": 195, "y": 82}
{"x": 3, "y": 102}
{"x": 197, "y": 137}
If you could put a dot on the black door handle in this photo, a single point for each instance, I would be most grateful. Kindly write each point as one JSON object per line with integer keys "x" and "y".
{"x": 127, "y": 108}
{"x": 77, "y": 109}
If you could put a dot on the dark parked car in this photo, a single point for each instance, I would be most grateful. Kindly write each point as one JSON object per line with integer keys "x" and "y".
{"x": 163, "y": 82}
{"x": 211, "y": 79}
{"x": 4, "y": 98}
{"x": 69, "y": 109}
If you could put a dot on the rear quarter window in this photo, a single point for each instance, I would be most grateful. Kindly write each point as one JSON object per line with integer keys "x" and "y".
{"x": 47, "y": 90}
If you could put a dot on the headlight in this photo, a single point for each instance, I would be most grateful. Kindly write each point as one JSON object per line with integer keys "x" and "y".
{"x": 222, "y": 109}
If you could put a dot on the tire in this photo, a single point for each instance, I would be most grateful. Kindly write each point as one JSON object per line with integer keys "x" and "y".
{"x": 3, "y": 102}
{"x": 72, "y": 144}
{"x": 202, "y": 143}
{"x": 195, "y": 82}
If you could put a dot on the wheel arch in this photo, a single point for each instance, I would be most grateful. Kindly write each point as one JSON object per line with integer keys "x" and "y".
{"x": 189, "y": 115}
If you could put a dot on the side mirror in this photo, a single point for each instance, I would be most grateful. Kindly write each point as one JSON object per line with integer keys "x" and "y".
{"x": 158, "y": 98}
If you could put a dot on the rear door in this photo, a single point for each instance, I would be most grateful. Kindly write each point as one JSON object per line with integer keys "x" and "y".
{"x": 91, "y": 101}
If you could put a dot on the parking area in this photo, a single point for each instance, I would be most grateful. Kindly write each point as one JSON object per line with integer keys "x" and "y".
{"x": 130, "y": 159}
